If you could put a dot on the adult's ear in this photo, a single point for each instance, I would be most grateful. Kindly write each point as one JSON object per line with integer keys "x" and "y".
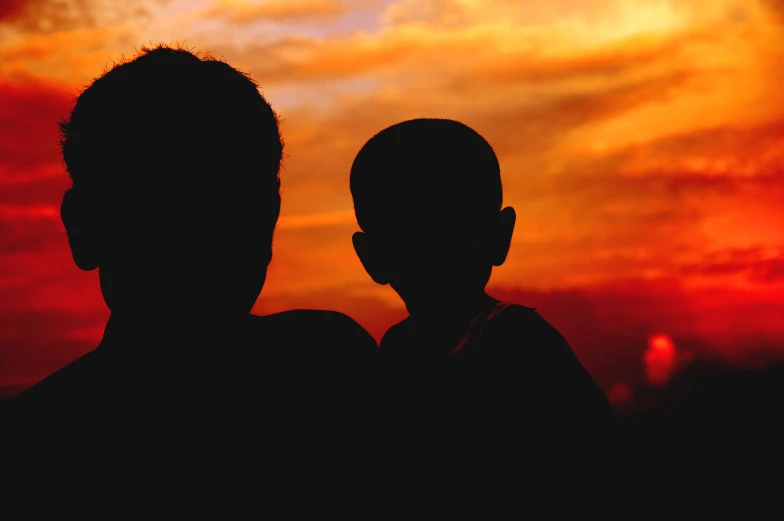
{"x": 80, "y": 225}
{"x": 503, "y": 235}
{"x": 368, "y": 259}
{"x": 274, "y": 215}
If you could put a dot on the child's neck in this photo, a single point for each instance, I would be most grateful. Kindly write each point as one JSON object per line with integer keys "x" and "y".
{"x": 452, "y": 313}
{"x": 439, "y": 328}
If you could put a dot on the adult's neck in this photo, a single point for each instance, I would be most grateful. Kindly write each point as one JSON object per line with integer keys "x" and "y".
{"x": 134, "y": 326}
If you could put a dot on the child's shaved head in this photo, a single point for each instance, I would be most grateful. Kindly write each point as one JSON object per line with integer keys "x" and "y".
{"x": 427, "y": 195}
{"x": 419, "y": 169}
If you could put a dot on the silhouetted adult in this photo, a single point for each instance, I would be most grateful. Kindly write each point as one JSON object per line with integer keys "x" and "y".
{"x": 174, "y": 160}
{"x": 427, "y": 195}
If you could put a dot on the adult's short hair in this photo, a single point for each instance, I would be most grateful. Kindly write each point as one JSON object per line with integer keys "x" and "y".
{"x": 170, "y": 124}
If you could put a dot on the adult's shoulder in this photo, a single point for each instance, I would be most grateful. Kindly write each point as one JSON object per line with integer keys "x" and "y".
{"x": 396, "y": 337}
{"x": 60, "y": 390}
{"x": 330, "y": 328}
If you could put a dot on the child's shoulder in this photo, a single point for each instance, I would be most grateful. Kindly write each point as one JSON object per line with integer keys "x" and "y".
{"x": 514, "y": 326}
{"x": 509, "y": 311}
{"x": 508, "y": 317}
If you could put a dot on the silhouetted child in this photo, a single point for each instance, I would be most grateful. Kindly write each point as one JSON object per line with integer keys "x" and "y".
{"x": 175, "y": 162}
{"x": 427, "y": 196}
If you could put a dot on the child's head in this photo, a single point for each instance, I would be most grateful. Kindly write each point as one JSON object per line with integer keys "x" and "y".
{"x": 174, "y": 160}
{"x": 427, "y": 195}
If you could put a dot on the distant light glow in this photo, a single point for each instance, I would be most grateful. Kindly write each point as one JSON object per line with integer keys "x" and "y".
{"x": 661, "y": 359}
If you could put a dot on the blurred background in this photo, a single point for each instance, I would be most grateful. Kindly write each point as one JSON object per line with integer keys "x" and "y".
{"x": 641, "y": 142}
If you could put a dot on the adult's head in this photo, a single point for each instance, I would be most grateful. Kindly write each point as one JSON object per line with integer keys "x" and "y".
{"x": 174, "y": 160}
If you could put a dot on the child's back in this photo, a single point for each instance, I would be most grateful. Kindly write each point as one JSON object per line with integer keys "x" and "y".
{"x": 427, "y": 195}
{"x": 508, "y": 355}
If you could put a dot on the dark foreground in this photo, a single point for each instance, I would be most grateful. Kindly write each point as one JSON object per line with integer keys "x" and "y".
{"x": 703, "y": 392}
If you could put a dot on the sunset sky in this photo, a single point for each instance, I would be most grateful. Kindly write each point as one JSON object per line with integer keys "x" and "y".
{"x": 641, "y": 143}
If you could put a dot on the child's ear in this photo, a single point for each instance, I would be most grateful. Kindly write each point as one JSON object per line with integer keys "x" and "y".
{"x": 368, "y": 259}
{"x": 503, "y": 238}
{"x": 81, "y": 226}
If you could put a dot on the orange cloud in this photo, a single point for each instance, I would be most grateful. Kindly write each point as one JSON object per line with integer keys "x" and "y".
{"x": 316, "y": 220}
{"x": 240, "y": 11}
{"x": 776, "y": 9}
{"x": 617, "y": 214}
{"x": 73, "y": 57}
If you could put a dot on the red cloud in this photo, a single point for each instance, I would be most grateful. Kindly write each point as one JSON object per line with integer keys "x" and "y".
{"x": 43, "y": 296}
{"x": 610, "y": 327}
{"x": 29, "y": 114}
{"x": 32, "y": 175}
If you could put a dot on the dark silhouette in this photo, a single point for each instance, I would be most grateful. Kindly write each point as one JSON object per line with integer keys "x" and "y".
{"x": 725, "y": 411}
{"x": 174, "y": 160}
{"x": 712, "y": 393}
{"x": 428, "y": 198}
